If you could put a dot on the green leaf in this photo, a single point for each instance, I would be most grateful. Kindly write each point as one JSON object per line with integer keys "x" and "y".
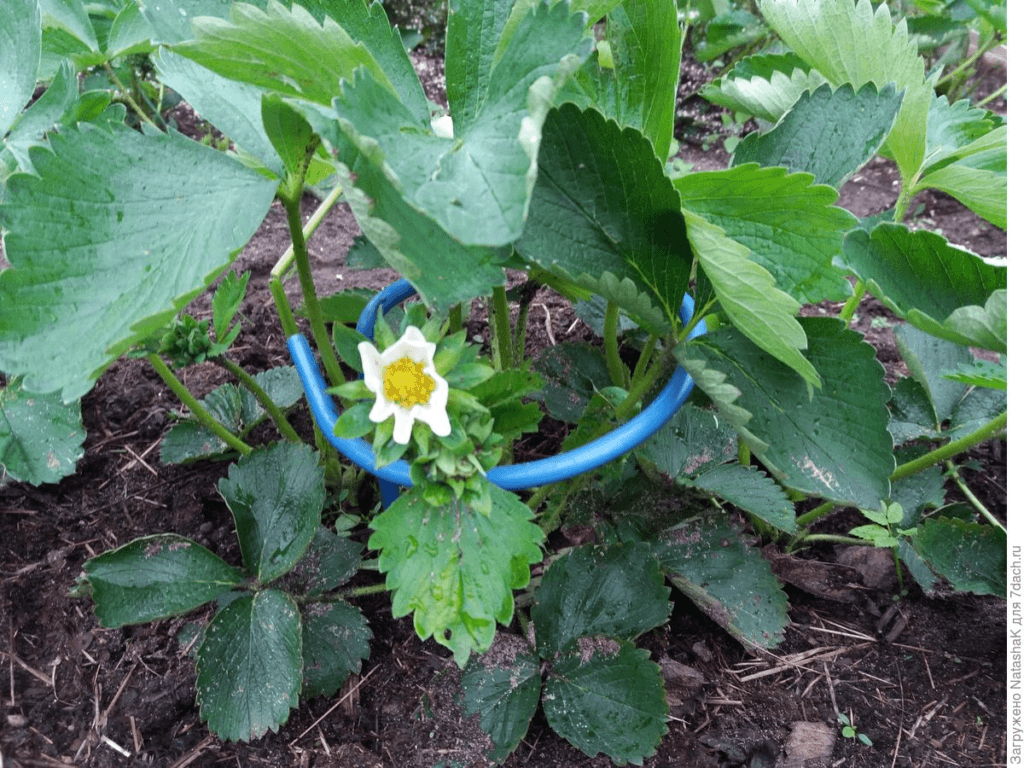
{"x": 966, "y": 158}
{"x": 835, "y": 446}
{"x": 130, "y": 33}
{"x": 693, "y": 441}
{"x": 234, "y": 108}
{"x": 410, "y": 241}
{"x": 939, "y": 288}
{"x": 454, "y": 568}
{"x": 70, "y": 16}
{"x": 978, "y": 407}
{"x": 928, "y": 359}
{"x": 828, "y": 134}
{"x": 765, "y": 85}
{"x": 275, "y": 495}
{"x": 364, "y": 255}
{"x": 20, "y": 48}
{"x": 603, "y": 204}
{"x": 615, "y": 592}
{"x": 335, "y": 642}
{"x": 597, "y": 418}
{"x": 712, "y": 563}
{"x": 503, "y": 687}
{"x": 155, "y": 577}
{"x": 513, "y": 419}
{"x": 471, "y": 46}
{"x": 789, "y": 223}
{"x": 981, "y": 373}
{"x": 918, "y": 568}
{"x": 851, "y": 42}
{"x": 640, "y": 89}
{"x": 573, "y": 372}
{"x": 920, "y": 491}
{"x": 747, "y": 293}
{"x": 369, "y": 25}
{"x": 40, "y": 436}
{"x": 347, "y": 305}
{"x": 506, "y": 387}
{"x": 354, "y": 421}
{"x": 291, "y": 136}
{"x": 912, "y": 413}
{"x": 477, "y": 186}
{"x": 227, "y": 300}
{"x": 952, "y": 129}
{"x": 608, "y": 696}
{"x": 58, "y": 104}
{"x": 984, "y": 326}
{"x": 724, "y": 395}
{"x": 250, "y": 666}
{"x": 972, "y": 556}
{"x": 729, "y": 29}
{"x": 330, "y": 561}
{"x": 281, "y": 50}
{"x": 103, "y": 255}
{"x": 171, "y": 20}
{"x": 978, "y": 180}
{"x": 752, "y": 491}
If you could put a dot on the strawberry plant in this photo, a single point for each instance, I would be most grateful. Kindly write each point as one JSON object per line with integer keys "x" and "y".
{"x": 553, "y": 157}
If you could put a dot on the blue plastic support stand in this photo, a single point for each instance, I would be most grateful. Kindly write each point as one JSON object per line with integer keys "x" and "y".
{"x": 514, "y": 477}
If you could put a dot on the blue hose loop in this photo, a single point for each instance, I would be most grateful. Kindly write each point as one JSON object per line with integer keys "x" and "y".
{"x": 514, "y": 477}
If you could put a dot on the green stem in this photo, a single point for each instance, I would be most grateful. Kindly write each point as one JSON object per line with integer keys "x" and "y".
{"x": 370, "y": 589}
{"x": 519, "y": 342}
{"x": 539, "y": 495}
{"x": 643, "y": 384}
{"x": 645, "y": 355}
{"x": 994, "y": 95}
{"x": 850, "y": 307}
{"x": 974, "y": 500}
{"x": 313, "y": 311}
{"x": 983, "y": 47}
{"x": 502, "y": 327}
{"x": 951, "y": 449}
{"x": 552, "y": 520}
{"x": 907, "y": 191}
{"x": 200, "y": 413}
{"x": 616, "y": 369}
{"x": 831, "y": 538}
{"x": 287, "y": 259}
{"x": 743, "y": 453}
{"x": 815, "y": 514}
{"x": 286, "y": 429}
{"x": 127, "y": 96}
{"x": 284, "y": 309}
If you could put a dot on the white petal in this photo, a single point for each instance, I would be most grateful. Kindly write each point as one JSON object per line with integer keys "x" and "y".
{"x": 436, "y": 419}
{"x": 372, "y": 366}
{"x": 382, "y": 408}
{"x": 403, "y": 426}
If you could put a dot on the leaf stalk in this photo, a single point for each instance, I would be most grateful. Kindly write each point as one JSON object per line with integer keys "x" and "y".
{"x": 201, "y": 414}
{"x": 951, "y": 449}
{"x": 316, "y": 318}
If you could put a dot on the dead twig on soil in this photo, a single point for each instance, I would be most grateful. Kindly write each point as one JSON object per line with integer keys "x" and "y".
{"x": 795, "y": 661}
{"x": 140, "y": 458}
{"x": 334, "y": 706}
{"x": 194, "y": 754}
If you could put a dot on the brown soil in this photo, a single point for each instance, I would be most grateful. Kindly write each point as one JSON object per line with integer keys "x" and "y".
{"x": 923, "y": 677}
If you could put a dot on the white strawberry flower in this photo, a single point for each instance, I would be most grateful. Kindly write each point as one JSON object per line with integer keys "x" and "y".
{"x": 406, "y": 385}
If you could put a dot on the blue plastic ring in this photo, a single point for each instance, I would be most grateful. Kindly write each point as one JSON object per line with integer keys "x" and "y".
{"x": 513, "y": 477}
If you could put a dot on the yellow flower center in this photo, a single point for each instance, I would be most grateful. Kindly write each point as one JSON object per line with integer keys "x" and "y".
{"x": 405, "y": 383}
